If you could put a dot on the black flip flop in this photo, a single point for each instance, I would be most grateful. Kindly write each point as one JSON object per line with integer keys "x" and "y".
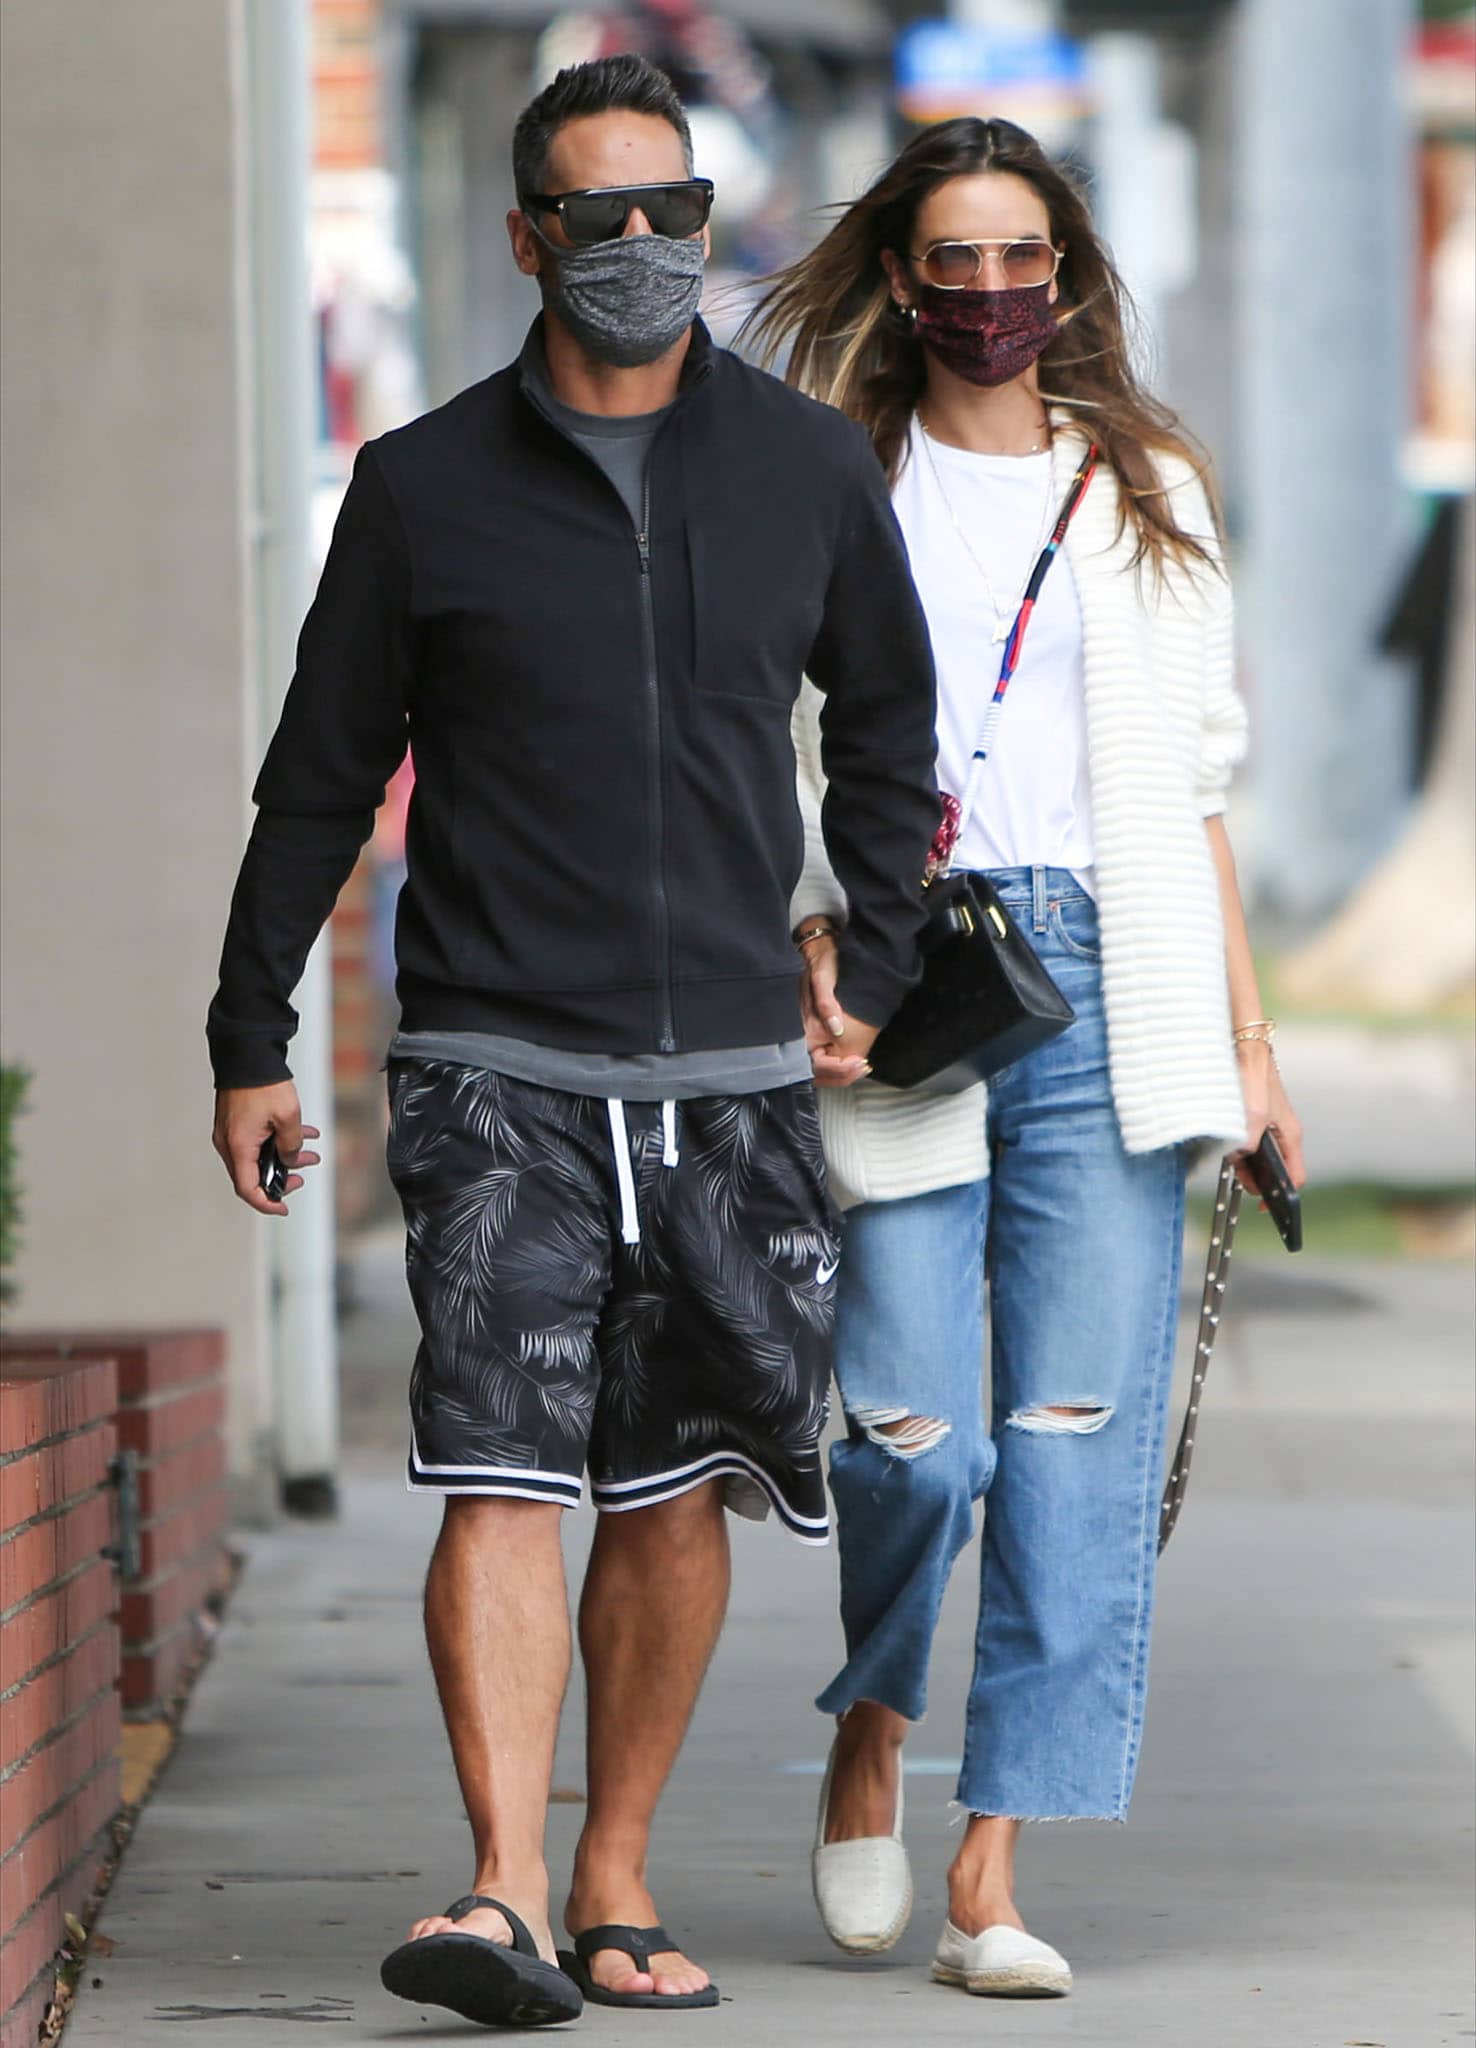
{"x": 483, "y": 1980}
{"x": 640, "y": 1944}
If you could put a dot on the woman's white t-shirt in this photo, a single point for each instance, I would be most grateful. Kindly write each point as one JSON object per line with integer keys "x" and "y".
{"x": 1033, "y": 805}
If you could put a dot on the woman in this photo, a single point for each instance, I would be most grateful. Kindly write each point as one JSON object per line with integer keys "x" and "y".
{"x": 964, "y": 310}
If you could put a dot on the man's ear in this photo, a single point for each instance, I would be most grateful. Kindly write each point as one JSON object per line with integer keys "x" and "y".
{"x": 526, "y": 248}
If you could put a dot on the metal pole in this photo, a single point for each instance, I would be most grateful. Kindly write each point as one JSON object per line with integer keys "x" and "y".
{"x": 304, "y": 1334}
{"x": 1129, "y": 202}
{"x": 1322, "y": 167}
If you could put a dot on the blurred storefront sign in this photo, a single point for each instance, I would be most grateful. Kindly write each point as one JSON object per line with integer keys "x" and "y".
{"x": 946, "y": 69}
{"x": 852, "y": 26}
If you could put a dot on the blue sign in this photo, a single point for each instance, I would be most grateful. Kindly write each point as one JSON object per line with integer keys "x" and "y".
{"x": 946, "y": 68}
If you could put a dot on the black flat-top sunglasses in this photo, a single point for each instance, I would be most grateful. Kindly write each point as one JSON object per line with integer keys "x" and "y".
{"x": 677, "y": 211}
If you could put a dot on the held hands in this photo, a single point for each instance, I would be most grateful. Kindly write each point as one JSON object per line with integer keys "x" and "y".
{"x": 244, "y": 1119}
{"x": 1267, "y": 1107}
{"x": 838, "y": 1044}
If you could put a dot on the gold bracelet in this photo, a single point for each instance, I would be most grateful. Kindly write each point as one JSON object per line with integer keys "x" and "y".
{"x": 1262, "y": 1032}
{"x": 819, "y": 931}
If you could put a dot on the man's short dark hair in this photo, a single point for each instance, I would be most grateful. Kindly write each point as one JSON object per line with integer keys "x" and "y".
{"x": 627, "y": 84}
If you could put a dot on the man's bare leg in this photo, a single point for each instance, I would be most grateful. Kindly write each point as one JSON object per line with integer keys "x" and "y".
{"x": 650, "y": 1615}
{"x": 497, "y": 1625}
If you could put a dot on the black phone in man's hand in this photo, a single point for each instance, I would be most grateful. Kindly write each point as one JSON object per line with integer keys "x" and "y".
{"x": 1273, "y": 1185}
{"x": 271, "y": 1171}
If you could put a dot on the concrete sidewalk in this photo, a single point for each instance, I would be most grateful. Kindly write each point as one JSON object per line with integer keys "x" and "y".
{"x": 1296, "y": 1875}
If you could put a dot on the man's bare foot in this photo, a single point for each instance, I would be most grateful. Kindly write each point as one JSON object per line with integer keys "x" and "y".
{"x": 627, "y": 1903}
{"x": 493, "y": 1926}
{"x": 868, "y": 1766}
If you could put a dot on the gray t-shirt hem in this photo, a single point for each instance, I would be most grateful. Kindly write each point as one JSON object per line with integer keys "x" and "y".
{"x": 632, "y": 1077}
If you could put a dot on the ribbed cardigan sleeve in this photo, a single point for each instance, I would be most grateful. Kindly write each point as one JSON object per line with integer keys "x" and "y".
{"x": 1225, "y": 731}
{"x": 817, "y": 893}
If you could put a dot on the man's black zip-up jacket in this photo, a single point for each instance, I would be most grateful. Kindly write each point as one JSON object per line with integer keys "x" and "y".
{"x": 604, "y": 833}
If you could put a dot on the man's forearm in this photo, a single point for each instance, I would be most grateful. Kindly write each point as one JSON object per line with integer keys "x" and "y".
{"x": 290, "y": 878}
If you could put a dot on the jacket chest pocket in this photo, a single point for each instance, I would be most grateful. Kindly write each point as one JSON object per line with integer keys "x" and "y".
{"x": 758, "y": 596}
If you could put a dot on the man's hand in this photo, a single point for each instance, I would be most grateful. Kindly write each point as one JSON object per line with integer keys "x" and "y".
{"x": 838, "y": 1044}
{"x": 244, "y": 1119}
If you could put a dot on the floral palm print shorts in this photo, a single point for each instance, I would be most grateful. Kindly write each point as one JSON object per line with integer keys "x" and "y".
{"x": 641, "y": 1287}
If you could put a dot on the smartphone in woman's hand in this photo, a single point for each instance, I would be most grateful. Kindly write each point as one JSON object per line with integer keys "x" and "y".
{"x": 1273, "y": 1185}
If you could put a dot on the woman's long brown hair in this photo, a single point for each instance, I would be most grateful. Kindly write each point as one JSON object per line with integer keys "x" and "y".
{"x": 832, "y": 317}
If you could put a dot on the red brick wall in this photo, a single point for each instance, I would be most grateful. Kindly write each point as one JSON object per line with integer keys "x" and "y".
{"x": 347, "y": 121}
{"x": 362, "y": 1020}
{"x": 171, "y": 1413}
{"x": 59, "y": 1705}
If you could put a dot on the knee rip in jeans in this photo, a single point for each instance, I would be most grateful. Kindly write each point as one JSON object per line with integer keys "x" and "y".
{"x": 1079, "y": 1419}
{"x": 899, "y": 1431}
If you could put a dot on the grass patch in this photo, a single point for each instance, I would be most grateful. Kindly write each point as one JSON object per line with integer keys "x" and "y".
{"x": 1360, "y": 1220}
{"x": 1455, "y": 1015}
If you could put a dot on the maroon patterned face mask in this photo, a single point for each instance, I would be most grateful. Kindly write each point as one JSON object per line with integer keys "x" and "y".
{"x": 987, "y": 336}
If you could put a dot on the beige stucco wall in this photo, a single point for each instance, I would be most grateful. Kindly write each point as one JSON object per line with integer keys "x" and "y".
{"x": 124, "y": 732}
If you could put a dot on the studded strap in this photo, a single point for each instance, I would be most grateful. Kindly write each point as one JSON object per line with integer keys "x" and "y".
{"x": 1211, "y": 1306}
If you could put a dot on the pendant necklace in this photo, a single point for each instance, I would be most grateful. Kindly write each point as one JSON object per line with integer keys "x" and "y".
{"x": 1003, "y": 620}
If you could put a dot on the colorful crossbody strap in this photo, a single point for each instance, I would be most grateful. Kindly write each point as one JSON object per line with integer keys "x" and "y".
{"x": 1010, "y": 660}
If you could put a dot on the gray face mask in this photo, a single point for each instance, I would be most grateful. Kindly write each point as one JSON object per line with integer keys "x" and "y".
{"x": 627, "y": 302}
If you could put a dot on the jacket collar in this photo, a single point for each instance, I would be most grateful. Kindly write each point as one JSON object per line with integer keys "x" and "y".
{"x": 533, "y": 381}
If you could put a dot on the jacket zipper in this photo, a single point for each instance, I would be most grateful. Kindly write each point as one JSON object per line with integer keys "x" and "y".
{"x": 661, "y": 903}
{"x": 667, "y": 1040}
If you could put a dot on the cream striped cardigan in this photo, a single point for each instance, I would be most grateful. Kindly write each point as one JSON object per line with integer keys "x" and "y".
{"x": 1165, "y": 730}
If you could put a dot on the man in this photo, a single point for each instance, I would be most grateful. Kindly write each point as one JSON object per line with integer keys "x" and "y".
{"x": 584, "y": 592}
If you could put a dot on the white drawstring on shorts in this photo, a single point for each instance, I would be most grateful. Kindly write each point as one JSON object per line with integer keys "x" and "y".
{"x": 630, "y": 1215}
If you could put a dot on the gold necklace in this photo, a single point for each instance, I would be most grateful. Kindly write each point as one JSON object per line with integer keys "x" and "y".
{"x": 1003, "y": 620}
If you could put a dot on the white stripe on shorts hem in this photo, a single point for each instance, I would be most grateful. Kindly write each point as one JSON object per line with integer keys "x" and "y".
{"x": 684, "y": 1478}
{"x": 521, "y": 1482}
{"x": 501, "y": 1488}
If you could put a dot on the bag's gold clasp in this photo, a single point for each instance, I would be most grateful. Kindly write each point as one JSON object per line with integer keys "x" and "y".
{"x": 996, "y": 918}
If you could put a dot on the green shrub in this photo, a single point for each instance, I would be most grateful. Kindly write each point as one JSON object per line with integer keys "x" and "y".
{"x": 14, "y": 1081}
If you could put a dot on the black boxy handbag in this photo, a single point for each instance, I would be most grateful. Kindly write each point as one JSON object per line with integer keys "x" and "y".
{"x": 984, "y": 997}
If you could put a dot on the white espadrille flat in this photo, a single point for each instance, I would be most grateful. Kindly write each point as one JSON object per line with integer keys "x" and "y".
{"x": 863, "y": 1888}
{"x": 1002, "y": 1962}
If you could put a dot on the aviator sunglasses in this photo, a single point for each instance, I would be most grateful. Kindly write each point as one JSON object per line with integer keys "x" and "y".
{"x": 676, "y": 211}
{"x": 954, "y": 266}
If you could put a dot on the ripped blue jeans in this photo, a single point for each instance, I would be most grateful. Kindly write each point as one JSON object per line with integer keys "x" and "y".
{"x": 1081, "y": 1244}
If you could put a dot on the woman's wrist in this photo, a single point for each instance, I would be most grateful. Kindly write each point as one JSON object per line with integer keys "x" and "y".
{"x": 1255, "y": 1048}
{"x": 810, "y": 929}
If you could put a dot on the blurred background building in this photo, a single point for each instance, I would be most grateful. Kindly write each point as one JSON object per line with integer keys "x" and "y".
{"x": 242, "y": 236}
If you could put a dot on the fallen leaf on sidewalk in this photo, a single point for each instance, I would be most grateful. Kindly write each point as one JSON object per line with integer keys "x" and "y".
{"x": 101, "y": 1945}
{"x": 144, "y": 1750}
{"x": 565, "y": 1795}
